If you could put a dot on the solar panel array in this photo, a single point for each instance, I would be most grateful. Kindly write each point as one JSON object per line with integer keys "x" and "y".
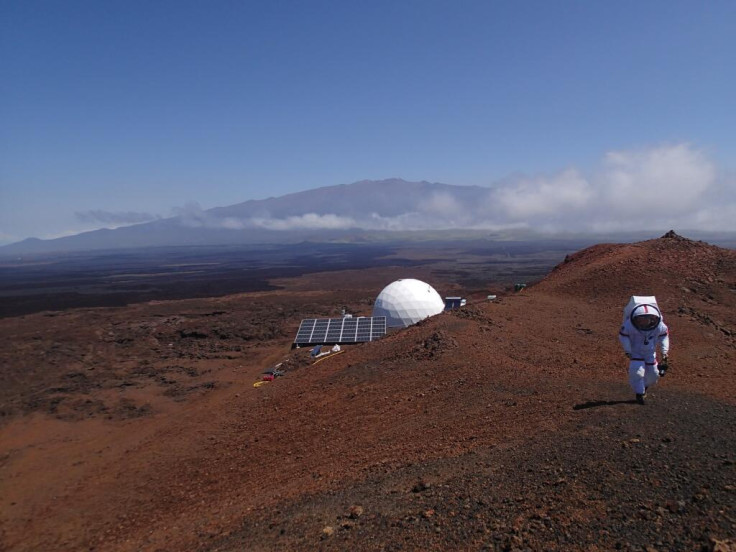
{"x": 323, "y": 331}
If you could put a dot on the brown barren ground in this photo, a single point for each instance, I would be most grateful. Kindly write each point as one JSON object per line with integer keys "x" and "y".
{"x": 504, "y": 425}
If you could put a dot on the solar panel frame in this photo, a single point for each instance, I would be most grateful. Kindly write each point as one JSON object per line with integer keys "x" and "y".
{"x": 330, "y": 331}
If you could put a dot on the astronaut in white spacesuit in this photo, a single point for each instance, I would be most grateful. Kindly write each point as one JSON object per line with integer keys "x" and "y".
{"x": 640, "y": 335}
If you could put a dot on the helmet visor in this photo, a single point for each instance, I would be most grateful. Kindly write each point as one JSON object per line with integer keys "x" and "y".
{"x": 646, "y": 321}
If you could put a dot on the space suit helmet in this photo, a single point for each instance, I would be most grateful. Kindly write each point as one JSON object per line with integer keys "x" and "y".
{"x": 645, "y": 317}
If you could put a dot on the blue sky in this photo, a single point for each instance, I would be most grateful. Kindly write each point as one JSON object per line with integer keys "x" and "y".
{"x": 115, "y": 111}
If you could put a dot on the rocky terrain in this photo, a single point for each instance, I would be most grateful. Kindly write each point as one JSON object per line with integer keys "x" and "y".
{"x": 504, "y": 425}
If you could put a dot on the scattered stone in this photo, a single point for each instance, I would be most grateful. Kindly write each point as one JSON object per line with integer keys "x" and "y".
{"x": 327, "y": 532}
{"x": 355, "y": 512}
{"x": 193, "y": 334}
{"x": 513, "y": 542}
{"x": 676, "y": 507}
{"x": 420, "y": 486}
{"x": 717, "y": 545}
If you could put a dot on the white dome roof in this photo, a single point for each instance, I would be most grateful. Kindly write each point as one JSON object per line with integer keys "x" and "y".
{"x": 406, "y": 302}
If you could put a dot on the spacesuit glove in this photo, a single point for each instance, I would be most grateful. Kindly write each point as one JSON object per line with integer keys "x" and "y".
{"x": 663, "y": 367}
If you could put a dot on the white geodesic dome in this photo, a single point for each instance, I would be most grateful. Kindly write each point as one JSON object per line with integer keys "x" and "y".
{"x": 406, "y": 302}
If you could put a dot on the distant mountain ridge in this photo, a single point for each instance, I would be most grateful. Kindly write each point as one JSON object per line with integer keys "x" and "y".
{"x": 323, "y": 213}
{"x": 367, "y": 210}
{"x": 387, "y": 198}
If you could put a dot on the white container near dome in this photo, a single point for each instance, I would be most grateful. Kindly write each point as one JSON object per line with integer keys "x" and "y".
{"x": 406, "y": 302}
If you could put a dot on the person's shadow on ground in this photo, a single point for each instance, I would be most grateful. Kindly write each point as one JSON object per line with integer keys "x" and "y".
{"x": 596, "y": 404}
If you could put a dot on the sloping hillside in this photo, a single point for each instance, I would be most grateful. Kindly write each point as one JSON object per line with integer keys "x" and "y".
{"x": 504, "y": 425}
{"x": 670, "y": 267}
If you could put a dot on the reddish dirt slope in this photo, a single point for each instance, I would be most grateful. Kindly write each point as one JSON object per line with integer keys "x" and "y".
{"x": 501, "y": 426}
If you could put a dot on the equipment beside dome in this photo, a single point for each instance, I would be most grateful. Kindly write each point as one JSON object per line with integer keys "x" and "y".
{"x": 454, "y": 302}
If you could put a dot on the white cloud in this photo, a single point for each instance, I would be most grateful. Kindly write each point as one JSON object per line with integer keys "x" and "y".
{"x": 310, "y": 221}
{"x": 666, "y": 178}
{"x": 543, "y": 196}
{"x": 411, "y": 220}
{"x": 672, "y": 186}
{"x": 194, "y": 216}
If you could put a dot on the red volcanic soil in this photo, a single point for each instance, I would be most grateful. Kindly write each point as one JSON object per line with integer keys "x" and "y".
{"x": 504, "y": 425}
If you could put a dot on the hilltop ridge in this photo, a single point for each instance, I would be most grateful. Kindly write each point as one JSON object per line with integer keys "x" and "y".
{"x": 669, "y": 266}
